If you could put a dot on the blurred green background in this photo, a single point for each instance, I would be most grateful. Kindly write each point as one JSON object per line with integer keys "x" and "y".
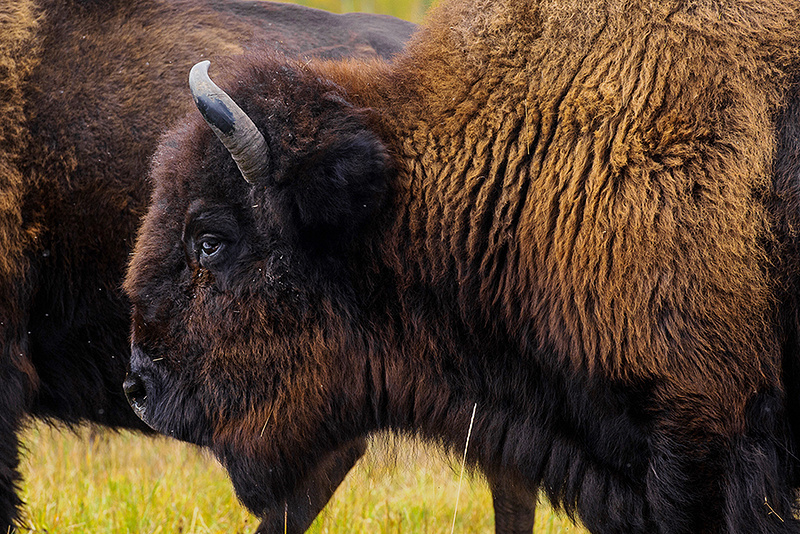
{"x": 412, "y": 10}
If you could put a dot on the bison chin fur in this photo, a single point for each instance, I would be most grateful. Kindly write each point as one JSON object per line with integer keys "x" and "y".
{"x": 267, "y": 490}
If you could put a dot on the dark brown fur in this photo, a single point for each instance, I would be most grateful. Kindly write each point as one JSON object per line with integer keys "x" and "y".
{"x": 577, "y": 216}
{"x": 86, "y": 88}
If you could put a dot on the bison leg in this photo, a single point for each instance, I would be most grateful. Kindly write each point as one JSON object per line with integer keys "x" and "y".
{"x": 514, "y": 506}
{"x": 761, "y": 470}
{"x": 296, "y": 514}
{"x": 708, "y": 477}
{"x": 17, "y": 383}
{"x": 9, "y": 477}
{"x": 9, "y": 474}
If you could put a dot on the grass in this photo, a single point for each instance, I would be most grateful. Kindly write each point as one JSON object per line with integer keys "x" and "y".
{"x": 412, "y": 10}
{"x": 123, "y": 483}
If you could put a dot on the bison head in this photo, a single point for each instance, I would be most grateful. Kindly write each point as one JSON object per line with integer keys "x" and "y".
{"x": 248, "y": 274}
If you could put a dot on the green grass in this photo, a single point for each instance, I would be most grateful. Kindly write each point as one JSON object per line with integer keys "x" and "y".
{"x": 412, "y": 10}
{"x": 122, "y": 483}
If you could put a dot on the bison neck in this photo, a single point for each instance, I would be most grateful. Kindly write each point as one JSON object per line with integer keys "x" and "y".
{"x": 535, "y": 419}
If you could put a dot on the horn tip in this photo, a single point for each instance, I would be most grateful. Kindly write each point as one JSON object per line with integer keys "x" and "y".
{"x": 202, "y": 64}
{"x": 198, "y": 72}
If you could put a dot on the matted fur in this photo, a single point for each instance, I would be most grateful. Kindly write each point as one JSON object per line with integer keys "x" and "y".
{"x": 577, "y": 216}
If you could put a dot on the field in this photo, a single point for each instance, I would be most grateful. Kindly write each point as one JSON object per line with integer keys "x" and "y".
{"x": 101, "y": 482}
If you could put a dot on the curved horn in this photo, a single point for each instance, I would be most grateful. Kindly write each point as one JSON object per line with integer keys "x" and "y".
{"x": 230, "y": 124}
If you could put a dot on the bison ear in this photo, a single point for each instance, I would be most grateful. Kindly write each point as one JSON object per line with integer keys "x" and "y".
{"x": 341, "y": 186}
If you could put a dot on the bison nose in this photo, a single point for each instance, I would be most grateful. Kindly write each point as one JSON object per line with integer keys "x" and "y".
{"x": 136, "y": 392}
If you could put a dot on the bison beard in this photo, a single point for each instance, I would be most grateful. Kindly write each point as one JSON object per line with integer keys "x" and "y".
{"x": 86, "y": 88}
{"x": 577, "y": 217}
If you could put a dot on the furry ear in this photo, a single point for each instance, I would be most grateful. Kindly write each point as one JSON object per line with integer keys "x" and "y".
{"x": 339, "y": 185}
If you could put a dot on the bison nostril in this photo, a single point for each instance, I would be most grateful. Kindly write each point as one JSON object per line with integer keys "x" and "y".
{"x": 136, "y": 392}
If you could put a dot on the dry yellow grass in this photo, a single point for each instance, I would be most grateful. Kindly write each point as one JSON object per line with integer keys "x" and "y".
{"x": 122, "y": 483}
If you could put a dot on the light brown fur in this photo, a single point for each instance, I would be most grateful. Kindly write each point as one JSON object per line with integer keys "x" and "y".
{"x": 611, "y": 166}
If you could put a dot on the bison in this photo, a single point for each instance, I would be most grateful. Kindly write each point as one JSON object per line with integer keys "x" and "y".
{"x": 575, "y": 219}
{"x": 86, "y": 87}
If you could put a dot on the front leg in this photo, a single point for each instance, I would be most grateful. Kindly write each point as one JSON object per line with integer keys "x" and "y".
{"x": 514, "y": 506}
{"x": 296, "y": 514}
{"x": 9, "y": 472}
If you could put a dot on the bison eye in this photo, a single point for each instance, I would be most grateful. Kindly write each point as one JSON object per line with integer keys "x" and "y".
{"x": 208, "y": 250}
{"x": 209, "y": 246}
{"x": 211, "y": 238}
